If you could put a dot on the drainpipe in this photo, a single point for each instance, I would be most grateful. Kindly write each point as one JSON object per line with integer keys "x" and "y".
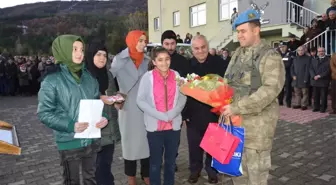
{"x": 161, "y": 20}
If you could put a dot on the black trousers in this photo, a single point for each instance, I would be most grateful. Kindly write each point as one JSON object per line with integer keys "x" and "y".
{"x": 71, "y": 160}
{"x": 196, "y": 153}
{"x": 321, "y": 98}
{"x": 310, "y": 95}
{"x": 104, "y": 174}
{"x": 286, "y": 91}
{"x": 131, "y": 167}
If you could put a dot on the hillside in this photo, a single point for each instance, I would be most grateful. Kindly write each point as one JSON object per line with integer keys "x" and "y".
{"x": 46, "y": 9}
{"x": 44, "y": 21}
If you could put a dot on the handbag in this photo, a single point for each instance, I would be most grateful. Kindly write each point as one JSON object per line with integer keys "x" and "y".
{"x": 234, "y": 168}
{"x": 219, "y": 143}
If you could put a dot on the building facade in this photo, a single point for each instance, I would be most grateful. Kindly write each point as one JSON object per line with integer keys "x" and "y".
{"x": 212, "y": 18}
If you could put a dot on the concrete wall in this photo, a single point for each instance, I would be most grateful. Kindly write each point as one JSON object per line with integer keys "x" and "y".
{"x": 318, "y": 6}
{"x": 275, "y": 11}
{"x": 213, "y": 29}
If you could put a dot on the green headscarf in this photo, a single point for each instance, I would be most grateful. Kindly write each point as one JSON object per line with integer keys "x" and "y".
{"x": 62, "y": 51}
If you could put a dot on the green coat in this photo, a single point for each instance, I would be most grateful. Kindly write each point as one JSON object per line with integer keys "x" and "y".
{"x": 111, "y": 133}
{"x": 58, "y": 104}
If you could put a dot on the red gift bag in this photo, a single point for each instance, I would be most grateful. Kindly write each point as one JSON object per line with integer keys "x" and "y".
{"x": 219, "y": 143}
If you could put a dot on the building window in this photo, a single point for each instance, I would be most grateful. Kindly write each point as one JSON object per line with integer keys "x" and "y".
{"x": 226, "y": 8}
{"x": 198, "y": 15}
{"x": 176, "y": 18}
{"x": 156, "y": 23}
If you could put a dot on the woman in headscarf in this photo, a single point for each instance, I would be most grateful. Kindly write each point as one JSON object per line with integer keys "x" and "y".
{"x": 96, "y": 62}
{"x": 58, "y": 108}
{"x": 128, "y": 67}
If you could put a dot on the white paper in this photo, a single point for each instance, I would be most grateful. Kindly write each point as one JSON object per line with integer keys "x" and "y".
{"x": 90, "y": 111}
{"x": 6, "y": 135}
{"x": 285, "y": 59}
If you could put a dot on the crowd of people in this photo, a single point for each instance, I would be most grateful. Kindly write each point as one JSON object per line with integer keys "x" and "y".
{"x": 149, "y": 120}
{"x": 311, "y": 73}
{"x": 326, "y": 21}
{"x": 21, "y": 75}
{"x": 148, "y": 123}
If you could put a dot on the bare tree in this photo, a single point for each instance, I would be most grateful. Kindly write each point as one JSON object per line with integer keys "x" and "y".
{"x": 137, "y": 21}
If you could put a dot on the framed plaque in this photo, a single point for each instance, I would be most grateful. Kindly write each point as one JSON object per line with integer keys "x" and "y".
{"x": 9, "y": 142}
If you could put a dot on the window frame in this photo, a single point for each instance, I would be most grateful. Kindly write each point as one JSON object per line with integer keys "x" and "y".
{"x": 191, "y": 13}
{"x": 156, "y": 19}
{"x": 220, "y": 4}
{"x": 179, "y": 18}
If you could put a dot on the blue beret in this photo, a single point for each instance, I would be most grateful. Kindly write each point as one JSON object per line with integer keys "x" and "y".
{"x": 247, "y": 16}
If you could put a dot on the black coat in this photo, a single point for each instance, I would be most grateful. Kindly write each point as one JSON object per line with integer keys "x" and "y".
{"x": 320, "y": 67}
{"x": 198, "y": 113}
{"x": 300, "y": 69}
{"x": 180, "y": 64}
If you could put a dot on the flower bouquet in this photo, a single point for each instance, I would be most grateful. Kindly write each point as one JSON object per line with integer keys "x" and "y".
{"x": 210, "y": 89}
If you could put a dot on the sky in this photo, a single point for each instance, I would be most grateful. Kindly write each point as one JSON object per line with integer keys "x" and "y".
{"x": 9, "y": 3}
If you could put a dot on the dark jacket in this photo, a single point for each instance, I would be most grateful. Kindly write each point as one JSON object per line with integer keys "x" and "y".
{"x": 110, "y": 133}
{"x": 293, "y": 45}
{"x": 226, "y": 62}
{"x": 179, "y": 64}
{"x": 300, "y": 70}
{"x": 320, "y": 67}
{"x": 198, "y": 113}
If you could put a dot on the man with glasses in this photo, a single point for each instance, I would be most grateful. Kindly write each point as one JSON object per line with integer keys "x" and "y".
{"x": 320, "y": 79}
{"x": 199, "y": 114}
{"x": 300, "y": 76}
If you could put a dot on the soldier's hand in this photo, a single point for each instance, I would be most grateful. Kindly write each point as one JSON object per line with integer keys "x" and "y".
{"x": 80, "y": 127}
{"x": 294, "y": 77}
{"x": 227, "y": 111}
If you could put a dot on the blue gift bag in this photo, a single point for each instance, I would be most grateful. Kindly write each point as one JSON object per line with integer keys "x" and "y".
{"x": 234, "y": 168}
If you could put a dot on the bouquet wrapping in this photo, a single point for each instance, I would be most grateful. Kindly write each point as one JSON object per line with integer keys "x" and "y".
{"x": 210, "y": 89}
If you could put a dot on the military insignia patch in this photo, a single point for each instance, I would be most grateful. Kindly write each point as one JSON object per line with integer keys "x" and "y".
{"x": 251, "y": 16}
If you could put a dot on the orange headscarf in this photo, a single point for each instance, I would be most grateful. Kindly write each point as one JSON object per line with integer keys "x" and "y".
{"x": 132, "y": 39}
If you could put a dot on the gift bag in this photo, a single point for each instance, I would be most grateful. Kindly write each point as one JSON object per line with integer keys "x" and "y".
{"x": 234, "y": 167}
{"x": 219, "y": 143}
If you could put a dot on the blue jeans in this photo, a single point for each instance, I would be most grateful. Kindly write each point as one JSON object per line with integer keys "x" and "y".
{"x": 168, "y": 142}
{"x": 104, "y": 175}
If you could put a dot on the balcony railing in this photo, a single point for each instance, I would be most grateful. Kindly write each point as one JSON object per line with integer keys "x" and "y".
{"x": 326, "y": 39}
{"x": 300, "y": 15}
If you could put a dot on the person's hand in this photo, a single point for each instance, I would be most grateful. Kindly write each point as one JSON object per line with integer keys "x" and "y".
{"x": 315, "y": 78}
{"x": 118, "y": 106}
{"x": 294, "y": 77}
{"x": 227, "y": 111}
{"x": 104, "y": 98}
{"x": 102, "y": 123}
{"x": 80, "y": 127}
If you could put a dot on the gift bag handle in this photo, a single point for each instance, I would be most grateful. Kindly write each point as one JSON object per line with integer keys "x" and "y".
{"x": 222, "y": 120}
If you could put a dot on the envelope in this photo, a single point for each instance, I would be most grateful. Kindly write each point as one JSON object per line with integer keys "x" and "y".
{"x": 90, "y": 111}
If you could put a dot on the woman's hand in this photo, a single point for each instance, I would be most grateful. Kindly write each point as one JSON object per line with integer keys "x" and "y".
{"x": 102, "y": 123}
{"x": 106, "y": 100}
{"x": 80, "y": 127}
{"x": 118, "y": 105}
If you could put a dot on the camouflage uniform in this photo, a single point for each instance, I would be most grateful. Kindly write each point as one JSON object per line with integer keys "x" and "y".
{"x": 258, "y": 106}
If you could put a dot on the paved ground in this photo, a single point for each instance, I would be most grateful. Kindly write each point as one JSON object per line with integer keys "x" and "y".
{"x": 303, "y": 153}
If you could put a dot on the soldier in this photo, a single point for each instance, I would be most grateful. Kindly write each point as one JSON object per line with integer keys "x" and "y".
{"x": 257, "y": 74}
